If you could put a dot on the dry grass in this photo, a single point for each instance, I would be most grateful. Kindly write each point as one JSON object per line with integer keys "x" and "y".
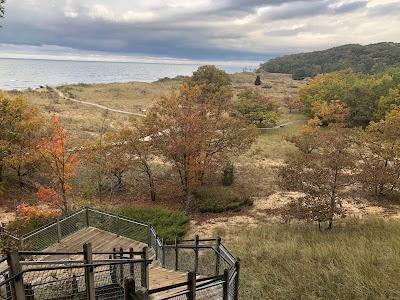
{"x": 357, "y": 260}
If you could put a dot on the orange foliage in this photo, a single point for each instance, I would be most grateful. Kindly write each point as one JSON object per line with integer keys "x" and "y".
{"x": 62, "y": 164}
{"x": 27, "y": 211}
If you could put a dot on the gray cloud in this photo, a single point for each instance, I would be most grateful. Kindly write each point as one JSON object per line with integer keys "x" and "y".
{"x": 215, "y": 29}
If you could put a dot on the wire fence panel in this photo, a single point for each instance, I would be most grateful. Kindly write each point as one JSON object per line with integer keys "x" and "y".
{"x": 5, "y": 289}
{"x": 55, "y": 284}
{"x": 177, "y": 296}
{"x": 119, "y": 225}
{"x": 210, "y": 292}
{"x": 72, "y": 224}
{"x": 42, "y": 238}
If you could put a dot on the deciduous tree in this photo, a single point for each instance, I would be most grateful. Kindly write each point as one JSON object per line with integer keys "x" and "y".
{"x": 139, "y": 149}
{"x": 320, "y": 171}
{"x": 61, "y": 165}
{"x": 380, "y": 153}
{"x": 20, "y": 128}
{"x": 194, "y": 130}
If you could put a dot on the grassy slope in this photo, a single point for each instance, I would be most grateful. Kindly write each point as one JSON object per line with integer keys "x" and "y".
{"x": 355, "y": 261}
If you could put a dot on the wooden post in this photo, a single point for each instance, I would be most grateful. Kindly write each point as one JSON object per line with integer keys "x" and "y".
{"x": 89, "y": 274}
{"x": 176, "y": 255}
{"x": 191, "y": 295}
{"x": 196, "y": 252}
{"x": 121, "y": 267}
{"x": 130, "y": 289}
{"x": 226, "y": 285}
{"x": 237, "y": 267}
{"x": 131, "y": 264}
{"x": 59, "y": 229}
{"x": 145, "y": 269}
{"x": 217, "y": 256}
{"x": 87, "y": 217}
{"x": 17, "y": 285}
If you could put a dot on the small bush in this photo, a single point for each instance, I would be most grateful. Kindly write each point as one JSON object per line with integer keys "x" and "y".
{"x": 21, "y": 226}
{"x": 218, "y": 199}
{"x": 168, "y": 223}
{"x": 228, "y": 175}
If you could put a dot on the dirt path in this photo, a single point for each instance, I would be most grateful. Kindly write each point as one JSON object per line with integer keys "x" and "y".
{"x": 269, "y": 209}
{"x": 61, "y": 94}
{"x": 281, "y": 125}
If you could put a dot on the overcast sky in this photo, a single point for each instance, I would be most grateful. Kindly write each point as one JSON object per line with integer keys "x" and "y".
{"x": 192, "y": 29}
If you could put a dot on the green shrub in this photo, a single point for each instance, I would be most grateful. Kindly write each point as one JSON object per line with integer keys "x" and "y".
{"x": 168, "y": 223}
{"x": 228, "y": 175}
{"x": 23, "y": 226}
{"x": 218, "y": 199}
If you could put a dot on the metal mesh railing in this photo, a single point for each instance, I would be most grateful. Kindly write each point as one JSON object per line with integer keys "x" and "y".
{"x": 207, "y": 257}
{"x": 45, "y": 280}
{"x": 119, "y": 225}
{"x": 5, "y": 290}
{"x": 54, "y": 232}
{"x": 73, "y": 223}
{"x": 42, "y": 238}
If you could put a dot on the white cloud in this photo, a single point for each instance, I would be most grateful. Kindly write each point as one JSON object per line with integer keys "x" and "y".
{"x": 219, "y": 29}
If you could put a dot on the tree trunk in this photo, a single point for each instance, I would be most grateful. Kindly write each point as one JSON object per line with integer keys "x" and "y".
{"x": 149, "y": 174}
{"x": 1, "y": 172}
{"x": 64, "y": 198}
{"x": 333, "y": 200}
{"x": 21, "y": 183}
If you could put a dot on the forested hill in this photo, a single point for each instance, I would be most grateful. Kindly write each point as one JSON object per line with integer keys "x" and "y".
{"x": 367, "y": 59}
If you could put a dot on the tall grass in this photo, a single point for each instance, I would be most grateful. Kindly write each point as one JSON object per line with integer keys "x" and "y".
{"x": 357, "y": 260}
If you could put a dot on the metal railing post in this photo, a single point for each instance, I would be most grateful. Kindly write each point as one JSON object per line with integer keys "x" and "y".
{"x": 21, "y": 243}
{"x": 17, "y": 285}
{"x": 59, "y": 229}
{"x": 156, "y": 247}
{"x": 87, "y": 217}
{"x": 176, "y": 255}
{"x": 163, "y": 253}
{"x": 196, "y": 252}
{"x": 237, "y": 267}
{"x": 225, "y": 286}
{"x": 118, "y": 226}
{"x": 217, "y": 255}
{"x": 149, "y": 235}
{"x": 191, "y": 295}
{"x": 89, "y": 274}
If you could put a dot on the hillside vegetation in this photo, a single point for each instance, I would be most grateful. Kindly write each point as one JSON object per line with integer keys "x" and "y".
{"x": 357, "y": 260}
{"x": 367, "y": 59}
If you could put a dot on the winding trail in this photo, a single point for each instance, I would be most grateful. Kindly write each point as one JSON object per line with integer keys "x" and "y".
{"x": 62, "y": 95}
{"x": 282, "y": 125}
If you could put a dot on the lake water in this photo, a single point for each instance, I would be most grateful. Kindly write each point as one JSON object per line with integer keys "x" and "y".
{"x": 25, "y": 73}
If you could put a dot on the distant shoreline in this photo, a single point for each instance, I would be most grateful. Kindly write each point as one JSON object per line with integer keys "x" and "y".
{"x": 256, "y": 63}
{"x": 20, "y": 74}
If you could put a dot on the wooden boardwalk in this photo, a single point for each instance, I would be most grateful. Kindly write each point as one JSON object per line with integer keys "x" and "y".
{"x": 103, "y": 241}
